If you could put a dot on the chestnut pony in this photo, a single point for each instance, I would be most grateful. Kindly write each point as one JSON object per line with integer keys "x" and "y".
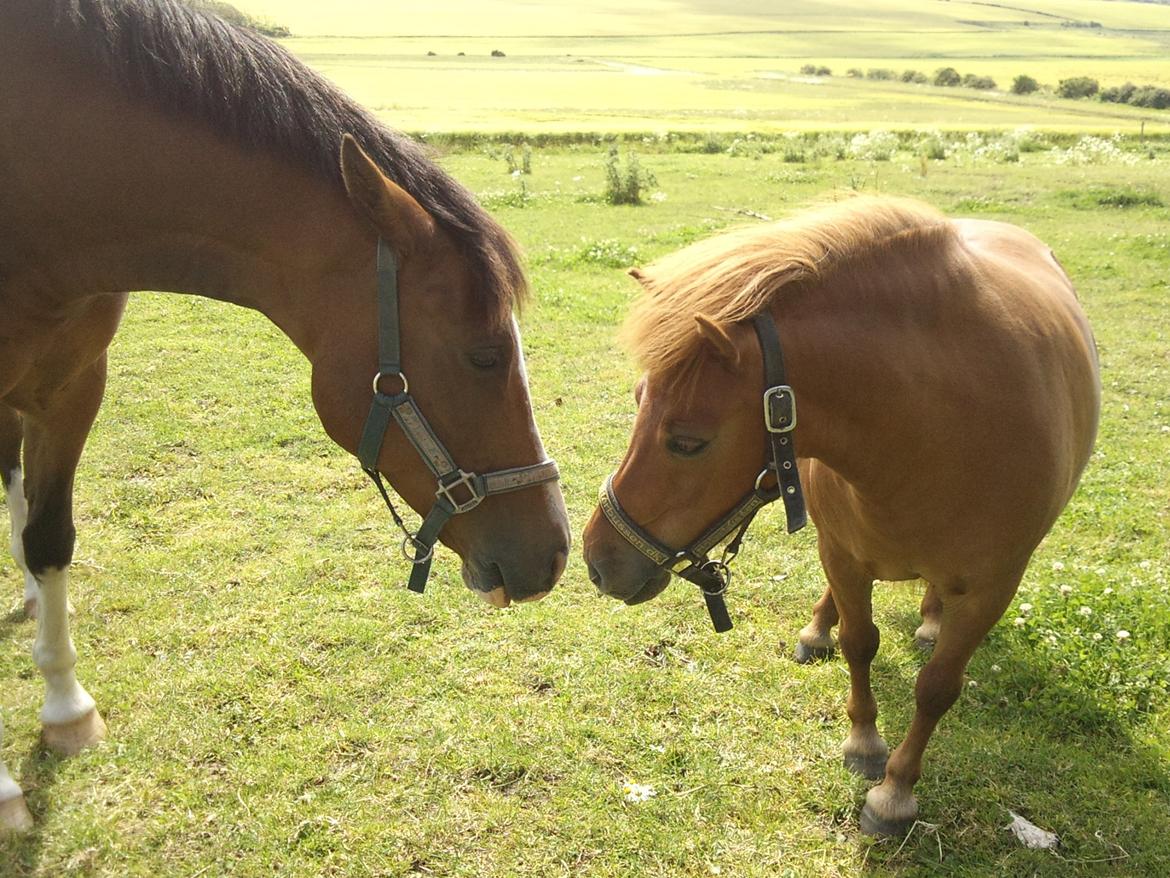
{"x": 144, "y": 145}
{"x": 947, "y": 396}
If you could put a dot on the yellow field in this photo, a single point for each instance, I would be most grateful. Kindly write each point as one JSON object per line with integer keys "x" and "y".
{"x": 655, "y": 65}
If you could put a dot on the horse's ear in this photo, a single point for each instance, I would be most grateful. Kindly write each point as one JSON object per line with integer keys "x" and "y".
{"x": 716, "y": 336}
{"x": 399, "y": 219}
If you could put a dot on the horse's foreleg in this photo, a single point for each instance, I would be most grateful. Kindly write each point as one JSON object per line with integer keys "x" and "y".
{"x": 852, "y": 589}
{"x": 11, "y": 432}
{"x": 14, "y": 816}
{"x": 54, "y": 439}
{"x": 816, "y": 640}
{"x": 968, "y": 612}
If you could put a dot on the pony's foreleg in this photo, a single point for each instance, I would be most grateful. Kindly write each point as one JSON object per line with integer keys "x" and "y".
{"x": 54, "y": 439}
{"x": 968, "y": 612}
{"x": 852, "y": 590}
{"x": 815, "y": 640}
{"x": 11, "y": 432}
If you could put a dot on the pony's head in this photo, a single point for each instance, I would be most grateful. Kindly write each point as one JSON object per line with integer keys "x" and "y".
{"x": 696, "y": 449}
{"x": 461, "y": 354}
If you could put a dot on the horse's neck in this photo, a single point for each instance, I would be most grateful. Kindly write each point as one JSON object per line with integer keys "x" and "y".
{"x": 130, "y": 198}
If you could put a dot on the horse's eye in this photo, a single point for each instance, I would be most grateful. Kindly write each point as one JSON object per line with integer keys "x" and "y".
{"x": 685, "y": 446}
{"x": 485, "y": 358}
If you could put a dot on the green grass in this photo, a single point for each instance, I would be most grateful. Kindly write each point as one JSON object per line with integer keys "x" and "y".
{"x": 701, "y": 65}
{"x": 279, "y": 704}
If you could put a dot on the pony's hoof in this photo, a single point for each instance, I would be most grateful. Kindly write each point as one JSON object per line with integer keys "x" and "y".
{"x": 14, "y": 816}
{"x": 871, "y": 766}
{"x": 69, "y": 739}
{"x": 806, "y": 654}
{"x": 872, "y": 824}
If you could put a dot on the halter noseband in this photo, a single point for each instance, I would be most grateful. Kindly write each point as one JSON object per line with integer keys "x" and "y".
{"x": 691, "y": 563}
{"x": 453, "y": 483}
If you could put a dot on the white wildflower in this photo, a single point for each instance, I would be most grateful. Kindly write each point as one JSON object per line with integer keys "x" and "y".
{"x": 995, "y": 669}
{"x": 1057, "y": 565}
{"x": 1097, "y": 637}
{"x": 1107, "y": 592}
{"x": 1020, "y": 622}
{"x": 1085, "y": 611}
{"x": 1025, "y": 608}
{"x": 638, "y": 793}
{"x": 1123, "y": 634}
{"x": 1065, "y": 590}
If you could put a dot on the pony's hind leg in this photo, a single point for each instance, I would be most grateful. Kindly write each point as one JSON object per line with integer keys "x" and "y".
{"x": 11, "y": 431}
{"x": 816, "y": 640}
{"x": 54, "y": 439}
{"x": 969, "y": 609}
{"x": 931, "y": 610}
{"x": 852, "y": 590}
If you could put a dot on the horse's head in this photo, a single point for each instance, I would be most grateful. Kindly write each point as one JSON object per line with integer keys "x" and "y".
{"x": 696, "y": 449}
{"x": 461, "y": 354}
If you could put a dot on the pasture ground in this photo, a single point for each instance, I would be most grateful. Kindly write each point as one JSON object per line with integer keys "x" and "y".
{"x": 663, "y": 65}
{"x": 279, "y": 704}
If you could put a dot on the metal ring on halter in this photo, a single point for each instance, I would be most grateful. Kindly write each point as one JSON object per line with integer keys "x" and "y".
{"x": 760, "y": 478}
{"x": 401, "y": 377}
{"x": 720, "y": 571}
{"x": 414, "y": 544}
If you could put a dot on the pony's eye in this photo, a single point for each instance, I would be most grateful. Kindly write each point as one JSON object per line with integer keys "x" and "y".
{"x": 685, "y": 446}
{"x": 485, "y": 358}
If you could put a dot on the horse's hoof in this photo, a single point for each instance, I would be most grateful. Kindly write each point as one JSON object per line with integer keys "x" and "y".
{"x": 30, "y": 608}
{"x": 871, "y": 766}
{"x": 14, "y": 816}
{"x": 69, "y": 739}
{"x": 806, "y": 654}
{"x": 872, "y": 824}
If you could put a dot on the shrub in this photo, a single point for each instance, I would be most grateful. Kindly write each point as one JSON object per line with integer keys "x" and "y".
{"x": 882, "y": 73}
{"x": 1078, "y": 87}
{"x": 1152, "y": 97}
{"x": 947, "y": 76}
{"x": 1118, "y": 94}
{"x": 854, "y": 73}
{"x": 496, "y": 53}
{"x": 625, "y": 187}
{"x": 824, "y": 71}
{"x": 876, "y": 146}
{"x": 984, "y": 83}
{"x": 915, "y": 76}
{"x": 808, "y": 69}
{"x": 1024, "y": 85}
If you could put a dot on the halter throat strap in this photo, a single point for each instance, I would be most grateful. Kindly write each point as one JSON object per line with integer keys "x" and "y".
{"x": 692, "y": 562}
{"x": 457, "y": 491}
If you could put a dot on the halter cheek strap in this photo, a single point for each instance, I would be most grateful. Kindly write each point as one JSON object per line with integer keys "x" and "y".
{"x": 457, "y": 491}
{"x": 691, "y": 563}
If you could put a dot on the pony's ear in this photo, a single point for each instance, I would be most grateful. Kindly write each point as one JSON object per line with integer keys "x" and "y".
{"x": 399, "y": 219}
{"x": 716, "y": 336}
{"x": 638, "y": 275}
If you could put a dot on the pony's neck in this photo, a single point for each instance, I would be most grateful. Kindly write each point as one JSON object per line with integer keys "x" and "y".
{"x": 852, "y": 359}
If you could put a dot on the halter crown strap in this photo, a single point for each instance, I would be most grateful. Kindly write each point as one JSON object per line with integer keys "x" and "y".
{"x": 456, "y": 491}
{"x": 692, "y": 563}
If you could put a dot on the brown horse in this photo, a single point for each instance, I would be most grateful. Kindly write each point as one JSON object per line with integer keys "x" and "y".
{"x": 947, "y": 396}
{"x": 147, "y": 146}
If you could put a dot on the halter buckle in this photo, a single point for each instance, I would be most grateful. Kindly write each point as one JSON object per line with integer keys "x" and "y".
{"x": 779, "y": 409}
{"x": 467, "y": 480}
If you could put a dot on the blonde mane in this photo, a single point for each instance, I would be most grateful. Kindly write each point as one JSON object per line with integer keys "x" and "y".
{"x": 736, "y": 275}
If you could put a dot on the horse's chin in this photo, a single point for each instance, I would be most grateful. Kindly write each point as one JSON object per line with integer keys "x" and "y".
{"x": 652, "y": 588}
{"x": 488, "y": 582}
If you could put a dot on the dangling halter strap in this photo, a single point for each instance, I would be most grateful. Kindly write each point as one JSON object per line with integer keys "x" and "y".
{"x": 691, "y": 563}
{"x": 457, "y": 491}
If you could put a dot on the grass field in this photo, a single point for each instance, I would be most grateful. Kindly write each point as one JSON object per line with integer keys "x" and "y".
{"x": 278, "y": 704}
{"x": 661, "y": 65}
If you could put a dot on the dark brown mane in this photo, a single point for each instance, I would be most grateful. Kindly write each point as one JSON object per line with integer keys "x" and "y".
{"x": 252, "y": 90}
